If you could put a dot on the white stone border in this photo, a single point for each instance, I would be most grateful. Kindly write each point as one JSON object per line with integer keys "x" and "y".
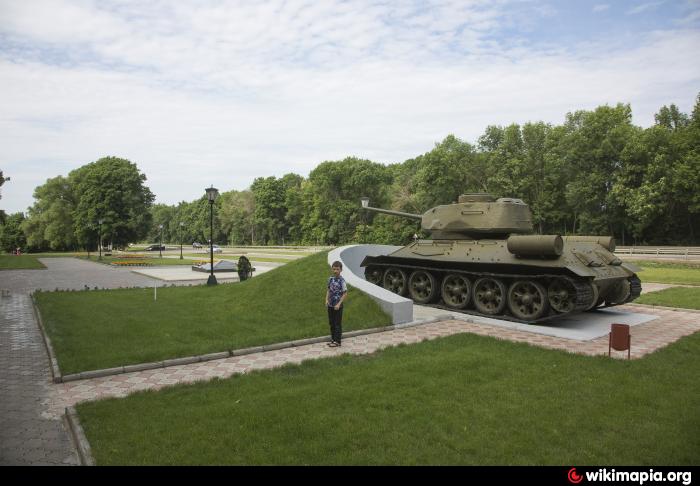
{"x": 399, "y": 308}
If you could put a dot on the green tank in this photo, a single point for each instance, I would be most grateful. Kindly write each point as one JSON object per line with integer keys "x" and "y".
{"x": 482, "y": 259}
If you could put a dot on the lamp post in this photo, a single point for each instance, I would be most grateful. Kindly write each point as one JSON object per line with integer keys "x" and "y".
{"x": 160, "y": 245}
{"x": 99, "y": 243}
{"x": 181, "y": 225}
{"x": 211, "y": 195}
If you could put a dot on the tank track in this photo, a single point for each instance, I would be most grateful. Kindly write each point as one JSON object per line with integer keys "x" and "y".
{"x": 635, "y": 288}
{"x": 584, "y": 293}
{"x": 635, "y": 291}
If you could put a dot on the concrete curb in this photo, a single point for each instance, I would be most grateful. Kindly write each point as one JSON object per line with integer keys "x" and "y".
{"x": 78, "y": 435}
{"x": 55, "y": 370}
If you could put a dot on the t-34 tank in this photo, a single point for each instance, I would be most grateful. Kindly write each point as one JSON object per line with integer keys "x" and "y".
{"x": 481, "y": 260}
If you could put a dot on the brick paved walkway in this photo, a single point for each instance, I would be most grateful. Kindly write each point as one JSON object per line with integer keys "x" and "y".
{"x": 30, "y": 432}
{"x": 28, "y": 435}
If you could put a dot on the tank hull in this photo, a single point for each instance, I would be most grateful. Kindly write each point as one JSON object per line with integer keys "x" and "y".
{"x": 484, "y": 277}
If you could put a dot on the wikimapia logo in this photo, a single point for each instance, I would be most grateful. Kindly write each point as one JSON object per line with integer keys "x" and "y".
{"x": 638, "y": 477}
{"x": 574, "y": 477}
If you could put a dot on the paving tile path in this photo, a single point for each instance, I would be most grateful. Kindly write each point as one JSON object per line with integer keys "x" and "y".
{"x": 31, "y": 433}
{"x": 28, "y": 435}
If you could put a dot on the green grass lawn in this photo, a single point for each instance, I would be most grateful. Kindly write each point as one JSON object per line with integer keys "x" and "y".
{"x": 108, "y": 328}
{"x": 464, "y": 399}
{"x": 672, "y": 273}
{"x": 21, "y": 262}
{"x": 683, "y": 297}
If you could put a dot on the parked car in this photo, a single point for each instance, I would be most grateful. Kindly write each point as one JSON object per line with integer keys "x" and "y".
{"x": 196, "y": 245}
{"x": 216, "y": 249}
{"x": 154, "y": 248}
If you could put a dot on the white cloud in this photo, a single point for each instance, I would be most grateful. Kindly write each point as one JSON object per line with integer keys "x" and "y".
{"x": 601, "y": 7}
{"x": 222, "y": 93}
{"x": 644, "y": 7}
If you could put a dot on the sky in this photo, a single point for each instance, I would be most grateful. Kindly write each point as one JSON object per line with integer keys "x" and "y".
{"x": 218, "y": 92}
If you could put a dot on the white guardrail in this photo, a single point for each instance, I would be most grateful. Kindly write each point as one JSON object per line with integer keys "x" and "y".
{"x": 682, "y": 251}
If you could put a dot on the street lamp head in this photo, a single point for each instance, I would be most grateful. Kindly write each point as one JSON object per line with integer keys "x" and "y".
{"x": 100, "y": 221}
{"x": 211, "y": 194}
{"x": 365, "y": 201}
{"x": 182, "y": 224}
{"x": 160, "y": 226}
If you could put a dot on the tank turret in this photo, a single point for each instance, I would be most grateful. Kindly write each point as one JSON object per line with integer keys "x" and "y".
{"x": 474, "y": 216}
{"x": 481, "y": 260}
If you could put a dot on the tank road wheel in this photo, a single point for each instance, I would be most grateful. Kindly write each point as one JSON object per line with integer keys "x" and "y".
{"x": 619, "y": 293}
{"x": 374, "y": 274}
{"x": 562, "y": 295}
{"x": 527, "y": 300}
{"x": 489, "y": 296}
{"x": 395, "y": 280}
{"x": 422, "y": 287}
{"x": 456, "y": 291}
{"x": 596, "y": 300}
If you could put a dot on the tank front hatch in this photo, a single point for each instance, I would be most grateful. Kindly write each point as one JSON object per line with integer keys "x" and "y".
{"x": 478, "y": 216}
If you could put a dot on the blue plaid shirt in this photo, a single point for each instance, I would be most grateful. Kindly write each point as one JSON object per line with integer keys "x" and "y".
{"x": 336, "y": 289}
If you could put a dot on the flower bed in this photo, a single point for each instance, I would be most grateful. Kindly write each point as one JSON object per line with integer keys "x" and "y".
{"x": 131, "y": 263}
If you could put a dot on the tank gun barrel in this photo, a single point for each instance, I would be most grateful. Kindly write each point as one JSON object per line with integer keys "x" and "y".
{"x": 365, "y": 205}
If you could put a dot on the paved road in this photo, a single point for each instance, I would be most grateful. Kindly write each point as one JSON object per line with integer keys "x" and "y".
{"x": 29, "y": 433}
{"x": 70, "y": 273}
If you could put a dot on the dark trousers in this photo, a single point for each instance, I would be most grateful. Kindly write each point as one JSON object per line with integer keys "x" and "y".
{"x": 335, "y": 320}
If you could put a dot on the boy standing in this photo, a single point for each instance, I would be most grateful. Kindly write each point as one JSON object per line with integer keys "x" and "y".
{"x": 335, "y": 296}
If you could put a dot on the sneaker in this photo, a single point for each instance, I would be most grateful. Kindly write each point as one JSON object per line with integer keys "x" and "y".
{"x": 333, "y": 344}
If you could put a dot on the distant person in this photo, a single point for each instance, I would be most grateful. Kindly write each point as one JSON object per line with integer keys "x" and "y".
{"x": 335, "y": 296}
{"x": 18, "y": 251}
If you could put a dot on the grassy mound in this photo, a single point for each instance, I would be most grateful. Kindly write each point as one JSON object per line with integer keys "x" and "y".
{"x": 108, "y": 328}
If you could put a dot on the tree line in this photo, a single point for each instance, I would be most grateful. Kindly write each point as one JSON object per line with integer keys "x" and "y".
{"x": 597, "y": 173}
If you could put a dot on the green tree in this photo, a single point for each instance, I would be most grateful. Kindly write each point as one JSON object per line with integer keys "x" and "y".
{"x": 270, "y": 210}
{"x": 447, "y": 171}
{"x": 11, "y": 234}
{"x": 49, "y": 223}
{"x": 238, "y": 217}
{"x": 657, "y": 184}
{"x": 593, "y": 146}
{"x": 114, "y": 190}
{"x": 196, "y": 216}
{"x": 294, "y": 204}
{"x": 332, "y": 198}
{"x": 166, "y": 215}
{"x": 525, "y": 162}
